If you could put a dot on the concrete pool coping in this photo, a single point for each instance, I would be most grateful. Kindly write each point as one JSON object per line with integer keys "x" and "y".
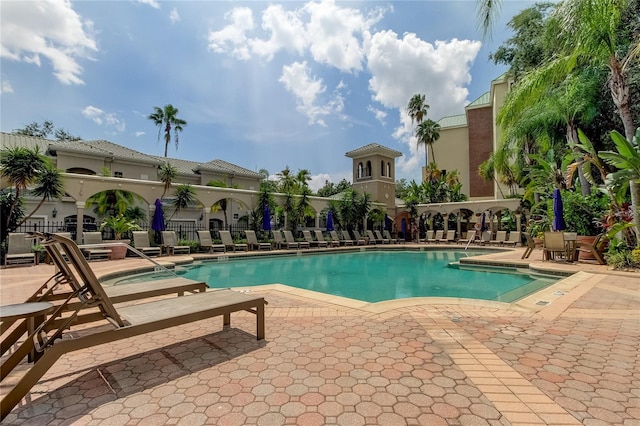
{"x": 570, "y": 361}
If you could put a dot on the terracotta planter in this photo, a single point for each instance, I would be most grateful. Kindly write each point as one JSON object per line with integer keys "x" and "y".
{"x": 118, "y": 252}
{"x": 588, "y": 239}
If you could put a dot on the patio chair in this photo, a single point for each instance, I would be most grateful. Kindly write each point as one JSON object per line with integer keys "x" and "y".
{"x": 228, "y": 242}
{"x": 500, "y": 238}
{"x": 485, "y": 237}
{"x": 553, "y": 246}
{"x": 597, "y": 248}
{"x": 94, "y": 239}
{"x": 347, "y": 238}
{"x": 61, "y": 285}
{"x": 206, "y": 242}
{"x": 372, "y": 238}
{"x": 380, "y": 238}
{"x": 288, "y": 236}
{"x": 388, "y": 236}
{"x": 252, "y": 241}
{"x": 19, "y": 250}
{"x": 141, "y": 242}
{"x": 470, "y": 238}
{"x": 434, "y": 236}
{"x": 361, "y": 241}
{"x": 531, "y": 245}
{"x": 320, "y": 237}
{"x": 170, "y": 241}
{"x": 313, "y": 243}
{"x": 335, "y": 237}
{"x": 514, "y": 239}
{"x": 450, "y": 237}
{"x": 111, "y": 324}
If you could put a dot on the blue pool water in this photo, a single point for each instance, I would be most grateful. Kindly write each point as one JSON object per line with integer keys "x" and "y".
{"x": 371, "y": 276}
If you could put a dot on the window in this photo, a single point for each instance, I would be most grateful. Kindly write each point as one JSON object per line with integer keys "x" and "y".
{"x": 382, "y": 168}
{"x": 368, "y": 171}
{"x": 388, "y": 169}
{"x": 359, "y": 170}
{"x": 117, "y": 174}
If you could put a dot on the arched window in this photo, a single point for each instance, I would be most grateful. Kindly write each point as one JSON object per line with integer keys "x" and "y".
{"x": 382, "y": 168}
{"x": 359, "y": 170}
{"x": 368, "y": 171}
{"x": 388, "y": 169}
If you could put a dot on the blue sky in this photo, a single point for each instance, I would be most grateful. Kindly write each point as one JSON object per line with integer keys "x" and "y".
{"x": 261, "y": 84}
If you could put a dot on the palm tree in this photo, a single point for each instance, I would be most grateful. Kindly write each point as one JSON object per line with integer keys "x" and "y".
{"x": 427, "y": 133}
{"x": 167, "y": 118}
{"x": 417, "y": 108}
{"x": 302, "y": 178}
{"x": 185, "y": 196}
{"x": 24, "y": 167}
{"x": 287, "y": 181}
{"x": 167, "y": 174}
{"x": 223, "y": 203}
{"x": 112, "y": 202}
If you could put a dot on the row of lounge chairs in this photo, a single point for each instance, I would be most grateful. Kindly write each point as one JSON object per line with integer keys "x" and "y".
{"x": 80, "y": 313}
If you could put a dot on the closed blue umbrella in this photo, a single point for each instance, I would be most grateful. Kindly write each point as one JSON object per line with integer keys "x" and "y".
{"x": 558, "y": 214}
{"x": 330, "y": 221}
{"x": 157, "y": 224}
{"x": 266, "y": 219}
{"x": 483, "y": 225}
{"x": 386, "y": 222}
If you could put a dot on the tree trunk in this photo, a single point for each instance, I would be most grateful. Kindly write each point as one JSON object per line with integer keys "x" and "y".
{"x": 634, "y": 188}
{"x": 620, "y": 94}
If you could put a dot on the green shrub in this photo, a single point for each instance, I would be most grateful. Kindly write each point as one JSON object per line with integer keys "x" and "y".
{"x": 193, "y": 245}
{"x": 582, "y": 213}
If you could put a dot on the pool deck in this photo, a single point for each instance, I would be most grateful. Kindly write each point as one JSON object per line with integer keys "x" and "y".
{"x": 567, "y": 355}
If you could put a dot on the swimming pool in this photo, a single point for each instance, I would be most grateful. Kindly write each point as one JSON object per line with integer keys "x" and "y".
{"x": 371, "y": 276}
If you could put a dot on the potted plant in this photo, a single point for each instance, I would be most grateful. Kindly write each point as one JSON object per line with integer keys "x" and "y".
{"x": 119, "y": 224}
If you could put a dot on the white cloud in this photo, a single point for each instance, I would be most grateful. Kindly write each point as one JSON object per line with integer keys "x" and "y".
{"x": 138, "y": 134}
{"x": 152, "y": 3}
{"x": 101, "y": 118}
{"x": 52, "y": 30}
{"x": 174, "y": 16}
{"x": 6, "y": 87}
{"x": 319, "y": 180}
{"x": 306, "y": 89}
{"x": 378, "y": 113}
{"x": 232, "y": 39}
{"x": 286, "y": 32}
{"x": 440, "y": 71}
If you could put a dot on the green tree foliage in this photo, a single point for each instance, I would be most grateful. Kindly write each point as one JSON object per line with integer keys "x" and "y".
{"x": 25, "y": 167}
{"x": 331, "y": 188}
{"x": 167, "y": 119}
{"x": 10, "y": 210}
{"x": 167, "y": 174}
{"x": 45, "y": 130}
{"x": 184, "y": 196}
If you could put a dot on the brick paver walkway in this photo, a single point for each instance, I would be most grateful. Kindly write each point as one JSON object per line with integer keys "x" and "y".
{"x": 331, "y": 361}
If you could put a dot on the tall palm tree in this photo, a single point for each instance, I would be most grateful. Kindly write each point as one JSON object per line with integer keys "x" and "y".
{"x": 427, "y": 133}
{"x": 417, "y": 108}
{"x": 223, "y": 203}
{"x": 167, "y": 118}
{"x": 185, "y": 196}
{"x": 302, "y": 178}
{"x": 287, "y": 181}
{"x": 49, "y": 186}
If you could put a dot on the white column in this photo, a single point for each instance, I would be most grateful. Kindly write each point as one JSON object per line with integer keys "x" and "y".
{"x": 79, "y": 221}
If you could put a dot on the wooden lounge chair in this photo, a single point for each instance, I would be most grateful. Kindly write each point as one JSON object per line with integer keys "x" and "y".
{"x": 388, "y": 236}
{"x": 485, "y": 237}
{"x": 335, "y": 240}
{"x": 361, "y": 241}
{"x": 19, "y": 250}
{"x": 288, "y": 236}
{"x": 346, "y": 238}
{"x": 170, "y": 241}
{"x": 112, "y": 324}
{"x": 94, "y": 239}
{"x": 141, "y": 242}
{"x": 434, "y": 236}
{"x": 320, "y": 237}
{"x": 514, "y": 239}
{"x": 317, "y": 243}
{"x": 553, "y": 246}
{"x": 61, "y": 285}
{"x": 372, "y": 238}
{"x": 500, "y": 238}
{"x": 470, "y": 238}
{"x": 252, "y": 241}
{"x": 597, "y": 248}
{"x": 206, "y": 242}
{"x": 225, "y": 236}
{"x": 381, "y": 239}
{"x": 449, "y": 238}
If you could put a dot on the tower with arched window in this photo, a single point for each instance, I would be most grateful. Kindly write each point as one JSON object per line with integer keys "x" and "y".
{"x": 374, "y": 172}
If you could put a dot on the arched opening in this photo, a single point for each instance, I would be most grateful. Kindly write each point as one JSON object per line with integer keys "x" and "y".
{"x": 388, "y": 169}
{"x": 382, "y": 168}
{"x": 360, "y": 170}
{"x": 368, "y": 170}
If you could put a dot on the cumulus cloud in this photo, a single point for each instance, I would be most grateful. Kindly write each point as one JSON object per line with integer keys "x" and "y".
{"x": 286, "y": 31}
{"x": 109, "y": 120}
{"x": 232, "y": 39}
{"x": 378, "y": 113}
{"x": 174, "y": 16}
{"x": 306, "y": 89}
{"x": 53, "y": 30}
{"x": 152, "y": 3}
{"x": 138, "y": 134}
{"x": 6, "y": 87}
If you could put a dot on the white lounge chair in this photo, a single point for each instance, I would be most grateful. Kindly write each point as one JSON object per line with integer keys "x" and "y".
{"x": 93, "y": 253}
{"x": 252, "y": 241}
{"x": 20, "y": 250}
{"x": 225, "y": 236}
{"x": 141, "y": 242}
{"x": 170, "y": 241}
